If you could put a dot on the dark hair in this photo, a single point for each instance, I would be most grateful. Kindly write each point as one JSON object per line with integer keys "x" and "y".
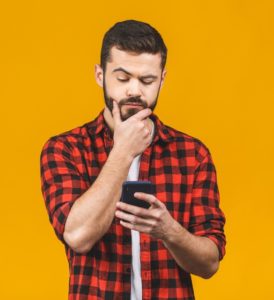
{"x": 135, "y": 36}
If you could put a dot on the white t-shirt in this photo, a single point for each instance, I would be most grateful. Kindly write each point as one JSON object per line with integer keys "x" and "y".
{"x": 136, "y": 279}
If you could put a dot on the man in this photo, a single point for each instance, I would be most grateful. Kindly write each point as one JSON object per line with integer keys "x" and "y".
{"x": 116, "y": 250}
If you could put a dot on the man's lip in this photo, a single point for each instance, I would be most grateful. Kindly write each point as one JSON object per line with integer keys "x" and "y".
{"x": 133, "y": 104}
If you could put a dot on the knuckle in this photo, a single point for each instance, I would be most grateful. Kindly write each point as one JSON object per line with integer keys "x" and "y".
{"x": 150, "y": 229}
{"x": 134, "y": 220}
{"x": 141, "y": 125}
{"x": 154, "y": 224}
{"x": 147, "y": 110}
{"x": 135, "y": 211}
{"x": 158, "y": 216}
{"x": 143, "y": 211}
{"x": 153, "y": 199}
{"x": 147, "y": 141}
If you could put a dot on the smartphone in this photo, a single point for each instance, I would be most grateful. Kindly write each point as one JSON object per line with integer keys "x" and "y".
{"x": 131, "y": 187}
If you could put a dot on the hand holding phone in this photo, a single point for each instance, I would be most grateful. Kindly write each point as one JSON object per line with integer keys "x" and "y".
{"x": 131, "y": 187}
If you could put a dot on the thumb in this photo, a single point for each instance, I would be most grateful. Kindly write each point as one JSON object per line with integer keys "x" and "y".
{"x": 116, "y": 113}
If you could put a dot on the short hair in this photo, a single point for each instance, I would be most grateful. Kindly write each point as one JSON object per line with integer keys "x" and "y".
{"x": 135, "y": 36}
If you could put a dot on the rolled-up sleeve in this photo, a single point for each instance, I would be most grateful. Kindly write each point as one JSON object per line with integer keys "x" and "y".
{"x": 61, "y": 183}
{"x": 207, "y": 218}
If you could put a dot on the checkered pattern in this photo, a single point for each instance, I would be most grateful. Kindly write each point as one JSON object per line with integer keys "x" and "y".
{"x": 184, "y": 175}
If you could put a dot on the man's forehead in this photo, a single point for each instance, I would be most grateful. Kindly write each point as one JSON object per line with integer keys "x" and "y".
{"x": 125, "y": 59}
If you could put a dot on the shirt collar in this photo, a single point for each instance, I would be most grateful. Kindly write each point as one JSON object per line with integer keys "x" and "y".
{"x": 161, "y": 131}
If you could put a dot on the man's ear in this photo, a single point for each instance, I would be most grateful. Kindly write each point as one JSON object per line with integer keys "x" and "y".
{"x": 163, "y": 77}
{"x": 99, "y": 75}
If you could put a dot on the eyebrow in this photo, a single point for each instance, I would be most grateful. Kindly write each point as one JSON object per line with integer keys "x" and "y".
{"x": 128, "y": 73}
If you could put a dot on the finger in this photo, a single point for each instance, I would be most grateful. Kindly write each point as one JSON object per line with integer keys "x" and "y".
{"x": 116, "y": 113}
{"x": 147, "y": 132}
{"x": 140, "y": 228}
{"x": 142, "y": 114}
{"x": 130, "y": 218}
{"x": 151, "y": 199}
{"x": 132, "y": 209}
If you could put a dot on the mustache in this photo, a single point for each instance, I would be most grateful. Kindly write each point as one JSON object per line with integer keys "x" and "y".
{"x": 135, "y": 100}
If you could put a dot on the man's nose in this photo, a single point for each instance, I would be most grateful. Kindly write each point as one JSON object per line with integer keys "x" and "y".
{"x": 134, "y": 89}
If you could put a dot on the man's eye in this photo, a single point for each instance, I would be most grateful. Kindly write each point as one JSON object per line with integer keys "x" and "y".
{"x": 122, "y": 79}
{"x": 147, "y": 82}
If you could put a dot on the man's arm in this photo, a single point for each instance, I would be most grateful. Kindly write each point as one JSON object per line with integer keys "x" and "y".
{"x": 198, "y": 248}
{"x": 92, "y": 213}
{"x": 195, "y": 254}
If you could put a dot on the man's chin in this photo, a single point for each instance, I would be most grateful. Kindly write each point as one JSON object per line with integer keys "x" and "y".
{"x": 129, "y": 113}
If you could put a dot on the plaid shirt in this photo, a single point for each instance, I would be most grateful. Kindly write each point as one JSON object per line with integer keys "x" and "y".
{"x": 184, "y": 175}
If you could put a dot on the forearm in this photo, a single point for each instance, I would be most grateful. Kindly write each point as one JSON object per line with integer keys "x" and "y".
{"x": 195, "y": 254}
{"x": 92, "y": 213}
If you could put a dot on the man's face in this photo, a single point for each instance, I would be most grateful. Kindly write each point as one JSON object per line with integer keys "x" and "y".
{"x": 133, "y": 80}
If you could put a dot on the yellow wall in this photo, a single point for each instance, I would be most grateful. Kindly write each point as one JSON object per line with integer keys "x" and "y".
{"x": 219, "y": 88}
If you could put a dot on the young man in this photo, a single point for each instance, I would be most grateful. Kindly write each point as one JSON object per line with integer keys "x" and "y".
{"x": 116, "y": 250}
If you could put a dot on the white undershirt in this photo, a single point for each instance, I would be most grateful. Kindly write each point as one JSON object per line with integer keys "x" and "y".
{"x": 136, "y": 279}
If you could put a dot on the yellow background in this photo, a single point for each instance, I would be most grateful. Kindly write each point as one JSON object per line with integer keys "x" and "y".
{"x": 219, "y": 88}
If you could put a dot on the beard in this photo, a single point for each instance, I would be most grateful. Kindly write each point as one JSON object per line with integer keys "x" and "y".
{"x": 130, "y": 111}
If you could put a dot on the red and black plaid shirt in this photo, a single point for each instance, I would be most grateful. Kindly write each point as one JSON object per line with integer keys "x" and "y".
{"x": 184, "y": 175}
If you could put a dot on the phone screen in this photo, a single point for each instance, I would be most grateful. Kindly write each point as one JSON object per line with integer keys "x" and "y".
{"x": 131, "y": 187}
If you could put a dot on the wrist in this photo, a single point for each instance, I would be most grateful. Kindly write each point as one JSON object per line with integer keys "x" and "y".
{"x": 118, "y": 154}
{"x": 175, "y": 233}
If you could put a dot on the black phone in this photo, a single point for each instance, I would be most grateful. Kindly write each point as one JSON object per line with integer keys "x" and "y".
{"x": 131, "y": 187}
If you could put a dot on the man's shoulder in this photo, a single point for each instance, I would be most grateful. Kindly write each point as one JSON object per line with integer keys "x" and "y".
{"x": 188, "y": 142}
{"x": 74, "y": 135}
{"x": 78, "y": 137}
